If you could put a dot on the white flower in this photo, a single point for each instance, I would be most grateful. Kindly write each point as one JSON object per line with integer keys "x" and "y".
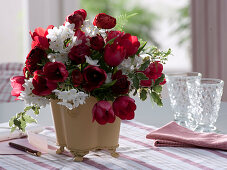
{"x": 102, "y": 32}
{"x": 29, "y": 97}
{"x": 60, "y": 57}
{"x": 71, "y": 99}
{"x": 59, "y": 36}
{"x": 91, "y": 62}
{"x": 130, "y": 64}
{"x": 108, "y": 78}
{"x": 89, "y": 29}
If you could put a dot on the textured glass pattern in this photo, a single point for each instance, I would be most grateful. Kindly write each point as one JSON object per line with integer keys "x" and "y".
{"x": 205, "y": 98}
{"x": 179, "y": 98}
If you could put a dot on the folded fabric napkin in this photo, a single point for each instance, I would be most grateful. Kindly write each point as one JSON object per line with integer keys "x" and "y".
{"x": 173, "y": 134}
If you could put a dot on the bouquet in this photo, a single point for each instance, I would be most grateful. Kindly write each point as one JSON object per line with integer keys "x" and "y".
{"x": 81, "y": 59}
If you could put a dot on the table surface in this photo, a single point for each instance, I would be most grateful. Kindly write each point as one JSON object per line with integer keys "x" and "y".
{"x": 136, "y": 152}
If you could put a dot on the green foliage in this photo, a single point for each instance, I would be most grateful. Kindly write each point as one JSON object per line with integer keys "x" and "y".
{"x": 21, "y": 119}
{"x": 139, "y": 25}
{"x": 156, "y": 98}
{"x": 122, "y": 21}
{"x": 183, "y": 25}
{"x": 144, "y": 65}
{"x": 157, "y": 54}
{"x": 141, "y": 47}
{"x": 143, "y": 94}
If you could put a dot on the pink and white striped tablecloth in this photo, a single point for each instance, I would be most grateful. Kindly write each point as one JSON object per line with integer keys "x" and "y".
{"x": 136, "y": 152}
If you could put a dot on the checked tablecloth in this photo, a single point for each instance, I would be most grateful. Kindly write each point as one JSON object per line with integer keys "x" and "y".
{"x": 136, "y": 152}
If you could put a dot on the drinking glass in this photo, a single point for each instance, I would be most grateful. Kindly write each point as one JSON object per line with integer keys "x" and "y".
{"x": 205, "y": 98}
{"x": 179, "y": 98}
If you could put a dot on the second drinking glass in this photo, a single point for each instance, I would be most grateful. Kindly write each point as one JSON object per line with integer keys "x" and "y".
{"x": 179, "y": 98}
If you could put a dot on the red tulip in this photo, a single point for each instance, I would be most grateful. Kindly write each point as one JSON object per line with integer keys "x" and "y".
{"x": 16, "y": 84}
{"x": 42, "y": 86}
{"x": 94, "y": 77}
{"x": 77, "y": 18}
{"x": 124, "y": 107}
{"x": 103, "y": 112}
{"x": 104, "y": 21}
{"x": 77, "y": 77}
{"x": 114, "y": 54}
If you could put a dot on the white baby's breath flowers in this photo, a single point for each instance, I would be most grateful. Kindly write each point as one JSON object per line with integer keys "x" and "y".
{"x": 89, "y": 29}
{"x": 91, "y": 62}
{"x": 71, "y": 99}
{"x": 130, "y": 64}
{"x": 59, "y": 36}
{"x": 29, "y": 97}
{"x": 60, "y": 57}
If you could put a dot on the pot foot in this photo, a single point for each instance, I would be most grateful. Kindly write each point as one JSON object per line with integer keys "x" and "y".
{"x": 78, "y": 159}
{"x": 60, "y": 150}
{"x": 113, "y": 153}
{"x": 78, "y": 156}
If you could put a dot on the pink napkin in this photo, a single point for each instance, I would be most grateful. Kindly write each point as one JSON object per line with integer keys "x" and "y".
{"x": 173, "y": 134}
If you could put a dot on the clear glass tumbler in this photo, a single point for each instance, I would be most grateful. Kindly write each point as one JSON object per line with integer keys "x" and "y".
{"x": 207, "y": 100}
{"x": 179, "y": 98}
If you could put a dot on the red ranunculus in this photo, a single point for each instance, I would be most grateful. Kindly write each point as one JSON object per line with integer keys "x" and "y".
{"x": 103, "y": 112}
{"x": 81, "y": 36}
{"x": 33, "y": 60}
{"x": 104, "y": 21}
{"x": 39, "y": 37}
{"x": 114, "y": 54}
{"x": 94, "y": 77}
{"x": 124, "y": 107}
{"x": 97, "y": 42}
{"x": 130, "y": 43}
{"x": 122, "y": 84}
{"x": 16, "y": 84}
{"x": 55, "y": 72}
{"x": 77, "y": 18}
{"x": 42, "y": 86}
{"x": 153, "y": 72}
{"x": 77, "y": 77}
{"x": 146, "y": 83}
{"x": 163, "y": 82}
{"x": 113, "y": 34}
{"x": 77, "y": 53}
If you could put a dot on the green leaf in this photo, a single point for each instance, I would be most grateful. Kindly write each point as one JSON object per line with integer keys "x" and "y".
{"x": 136, "y": 82}
{"x": 29, "y": 119}
{"x": 157, "y": 89}
{"x": 141, "y": 48}
{"x": 135, "y": 92}
{"x": 107, "y": 85}
{"x": 143, "y": 94}
{"x": 23, "y": 125}
{"x": 156, "y": 98}
{"x": 142, "y": 76}
{"x": 131, "y": 75}
{"x": 144, "y": 65}
{"x": 11, "y": 121}
{"x": 27, "y": 108}
{"x": 160, "y": 79}
{"x": 35, "y": 109}
{"x": 17, "y": 122}
{"x": 13, "y": 129}
{"x": 111, "y": 41}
